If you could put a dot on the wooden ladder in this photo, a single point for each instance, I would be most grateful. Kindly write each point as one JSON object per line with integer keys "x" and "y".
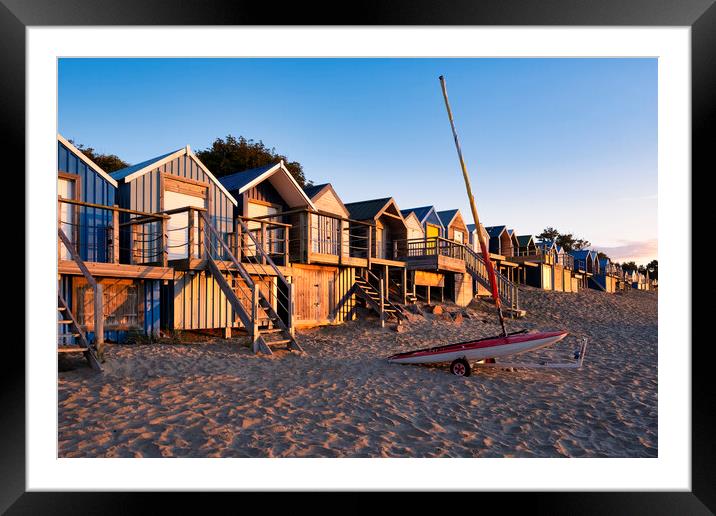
{"x": 78, "y": 339}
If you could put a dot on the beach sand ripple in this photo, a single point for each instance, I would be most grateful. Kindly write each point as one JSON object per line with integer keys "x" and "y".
{"x": 342, "y": 399}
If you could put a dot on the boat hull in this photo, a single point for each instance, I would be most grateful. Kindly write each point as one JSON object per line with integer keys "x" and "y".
{"x": 480, "y": 349}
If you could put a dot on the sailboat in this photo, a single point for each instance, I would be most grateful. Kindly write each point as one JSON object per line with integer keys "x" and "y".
{"x": 489, "y": 348}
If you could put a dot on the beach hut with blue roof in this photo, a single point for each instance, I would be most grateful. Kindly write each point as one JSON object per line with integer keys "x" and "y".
{"x": 428, "y": 217}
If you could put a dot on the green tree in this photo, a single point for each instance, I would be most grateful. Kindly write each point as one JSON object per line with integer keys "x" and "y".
{"x": 107, "y": 162}
{"x": 629, "y": 266}
{"x": 653, "y": 266}
{"x": 549, "y": 234}
{"x": 228, "y": 155}
{"x": 566, "y": 241}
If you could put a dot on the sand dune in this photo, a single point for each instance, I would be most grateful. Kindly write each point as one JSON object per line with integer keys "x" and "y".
{"x": 217, "y": 399}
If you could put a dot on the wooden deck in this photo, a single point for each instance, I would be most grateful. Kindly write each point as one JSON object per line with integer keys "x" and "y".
{"x": 390, "y": 263}
{"x": 333, "y": 259}
{"x": 115, "y": 270}
{"x": 436, "y": 262}
{"x": 198, "y": 264}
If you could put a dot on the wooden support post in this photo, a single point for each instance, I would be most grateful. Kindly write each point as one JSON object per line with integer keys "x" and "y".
{"x": 202, "y": 236}
{"x": 115, "y": 235}
{"x": 235, "y": 242}
{"x": 340, "y": 242}
{"x": 385, "y": 278}
{"x": 264, "y": 243}
{"x": 309, "y": 236}
{"x": 99, "y": 320}
{"x": 428, "y": 295}
{"x": 190, "y": 239}
{"x": 369, "y": 252}
{"x": 239, "y": 241}
{"x": 227, "y": 332}
{"x": 165, "y": 242}
{"x": 254, "y": 315}
{"x": 286, "y": 259}
{"x": 405, "y": 285}
{"x": 133, "y": 244}
{"x": 291, "y": 327}
{"x": 382, "y": 305}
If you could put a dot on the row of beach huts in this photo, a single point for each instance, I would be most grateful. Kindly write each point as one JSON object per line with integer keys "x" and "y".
{"x": 164, "y": 246}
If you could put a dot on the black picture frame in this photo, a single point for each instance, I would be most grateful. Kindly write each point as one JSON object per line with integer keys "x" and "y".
{"x": 700, "y": 15}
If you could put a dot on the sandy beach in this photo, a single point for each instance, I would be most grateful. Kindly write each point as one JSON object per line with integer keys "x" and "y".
{"x": 213, "y": 398}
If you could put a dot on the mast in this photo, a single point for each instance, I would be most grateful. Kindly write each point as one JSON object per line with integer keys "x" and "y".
{"x": 480, "y": 236}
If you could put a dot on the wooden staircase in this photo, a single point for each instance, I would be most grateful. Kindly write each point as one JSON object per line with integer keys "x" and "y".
{"x": 507, "y": 290}
{"x": 78, "y": 342}
{"x": 257, "y": 312}
{"x": 66, "y": 318}
{"x": 376, "y": 300}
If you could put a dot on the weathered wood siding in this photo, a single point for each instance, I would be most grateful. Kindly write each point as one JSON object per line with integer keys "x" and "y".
{"x": 93, "y": 222}
{"x": 329, "y": 202}
{"x": 317, "y": 292}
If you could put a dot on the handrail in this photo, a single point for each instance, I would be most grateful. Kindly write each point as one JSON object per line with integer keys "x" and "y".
{"x": 244, "y": 275}
{"x": 76, "y": 257}
{"x": 98, "y": 293}
{"x": 263, "y": 252}
{"x": 111, "y": 208}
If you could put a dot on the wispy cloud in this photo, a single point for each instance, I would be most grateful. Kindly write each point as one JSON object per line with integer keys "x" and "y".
{"x": 639, "y": 251}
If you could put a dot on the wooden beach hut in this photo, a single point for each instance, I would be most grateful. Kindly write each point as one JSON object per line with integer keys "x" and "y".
{"x": 428, "y": 217}
{"x": 502, "y": 249}
{"x": 101, "y": 294}
{"x": 455, "y": 228}
{"x": 199, "y": 210}
{"x": 473, "y": 238}
{"x": 416, "y": 231}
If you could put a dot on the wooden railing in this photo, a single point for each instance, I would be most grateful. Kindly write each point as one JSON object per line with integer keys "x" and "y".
{"x": 474, "y": 264}
{"x": 110, "y": 234}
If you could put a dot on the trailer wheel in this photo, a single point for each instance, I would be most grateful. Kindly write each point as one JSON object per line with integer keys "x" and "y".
{"x": 460, "y": 367}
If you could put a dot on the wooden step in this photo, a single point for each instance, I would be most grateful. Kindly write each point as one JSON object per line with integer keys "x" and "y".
{"x": 71, "y": 349}
{"x": 278, "y": 342}
{"x": 61, "y": 335}
{"x": 271, "y": 330}
{"x": 61, "y": 308}
{"x": 64, "y": 321}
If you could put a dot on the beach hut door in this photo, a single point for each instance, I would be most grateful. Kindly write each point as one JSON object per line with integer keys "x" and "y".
{"x": 178, "y": 224}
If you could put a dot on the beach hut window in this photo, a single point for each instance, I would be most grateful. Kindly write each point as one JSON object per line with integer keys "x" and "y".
{"x": 458, "y": 236}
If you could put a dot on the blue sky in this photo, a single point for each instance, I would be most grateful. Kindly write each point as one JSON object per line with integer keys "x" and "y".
{"x": 568, "y": 143}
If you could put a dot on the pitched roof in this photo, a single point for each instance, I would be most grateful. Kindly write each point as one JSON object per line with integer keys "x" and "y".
{"x": 524, "y": 240}
{"x": 364, "y": 210}
{"x": 81, "y": 155}
{"x": 312, "y": 190}
{"x": 130, "y": 173}
{"x": 495, "y": 231}
{"x": 238, "y": 180}
{"x": 421, "y": 212}
{"x": 446, "y": 216}
{"x": 127, "y": 171}
{"x": 581, "y": 254}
